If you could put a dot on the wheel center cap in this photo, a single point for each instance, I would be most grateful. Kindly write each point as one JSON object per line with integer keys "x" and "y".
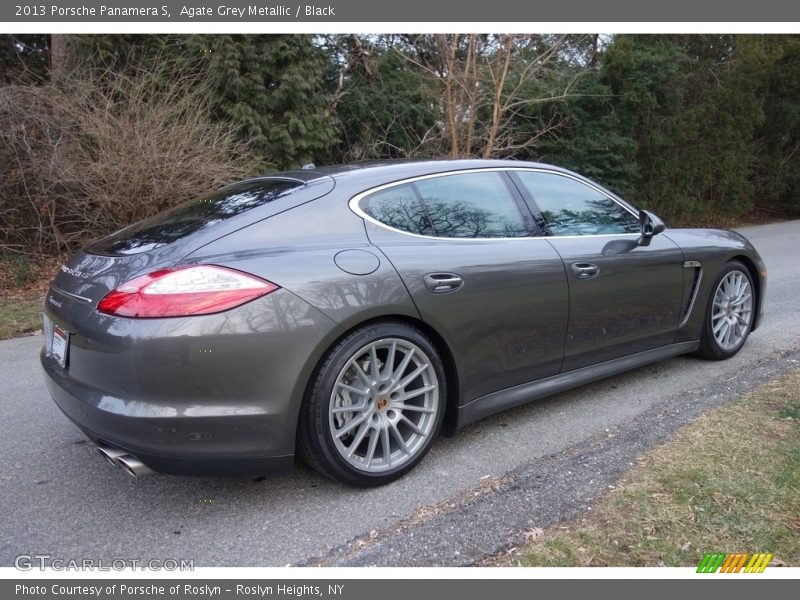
{"x": 382, "y": 403}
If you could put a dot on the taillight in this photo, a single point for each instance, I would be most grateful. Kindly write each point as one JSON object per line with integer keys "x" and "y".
{"x": 197, "y": 290}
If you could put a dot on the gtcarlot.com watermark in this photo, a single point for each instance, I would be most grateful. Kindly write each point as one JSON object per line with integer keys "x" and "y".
{"x": 29, "y": 562}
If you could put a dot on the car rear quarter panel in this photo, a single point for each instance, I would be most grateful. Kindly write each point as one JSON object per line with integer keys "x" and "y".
{"x": 298, "y": 250}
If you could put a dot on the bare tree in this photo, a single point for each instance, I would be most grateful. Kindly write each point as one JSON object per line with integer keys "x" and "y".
{"x": 488, "y": 88}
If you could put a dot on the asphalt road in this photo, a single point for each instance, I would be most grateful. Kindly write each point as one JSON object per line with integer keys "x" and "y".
{"x": 470, "y": 496}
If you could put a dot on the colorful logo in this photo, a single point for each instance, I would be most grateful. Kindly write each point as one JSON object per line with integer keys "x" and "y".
{"x": 734, "y": 563}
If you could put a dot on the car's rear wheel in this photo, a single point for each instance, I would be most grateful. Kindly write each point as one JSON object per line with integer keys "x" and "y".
{"x": 374, "y": 405}
{"x": 729, "y": 313}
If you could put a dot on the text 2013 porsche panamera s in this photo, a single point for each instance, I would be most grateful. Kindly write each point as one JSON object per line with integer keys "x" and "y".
{"x": 351, "y": 313}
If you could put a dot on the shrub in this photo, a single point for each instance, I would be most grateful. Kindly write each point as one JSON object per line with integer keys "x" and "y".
{"x": 97, "y": 150}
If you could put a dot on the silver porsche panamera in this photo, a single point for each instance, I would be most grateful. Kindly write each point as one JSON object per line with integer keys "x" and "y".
{"x": 349, "y": 314}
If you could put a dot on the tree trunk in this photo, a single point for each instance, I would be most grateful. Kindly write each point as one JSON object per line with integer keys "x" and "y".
{"x": 59, "y": 54}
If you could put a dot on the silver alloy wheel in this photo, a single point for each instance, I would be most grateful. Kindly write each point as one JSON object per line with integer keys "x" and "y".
{"x": 732, "y": 311}
{"x": 384, "y": 405}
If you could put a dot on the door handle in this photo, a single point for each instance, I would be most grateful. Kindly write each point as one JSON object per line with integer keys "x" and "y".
{"x": 585, "y": 270}
{"x": 443, "y": 282}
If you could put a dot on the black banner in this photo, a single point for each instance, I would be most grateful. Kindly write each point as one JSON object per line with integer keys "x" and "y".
{"x": 498, "y": 11}
{"x": 370, "y": 589}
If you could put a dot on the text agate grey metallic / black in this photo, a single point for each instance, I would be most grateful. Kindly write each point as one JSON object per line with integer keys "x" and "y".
{"x": 493, "y": 283}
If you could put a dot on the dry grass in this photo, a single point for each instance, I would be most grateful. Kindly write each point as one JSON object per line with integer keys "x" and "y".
{"x": 23, "y": 284}
{"x": 728, "y": 482}
{"x": 20, "y": 313}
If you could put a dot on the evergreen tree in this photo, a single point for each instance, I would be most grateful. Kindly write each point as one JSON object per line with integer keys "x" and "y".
{"x": 671, "y": 122}
{"x": 597, "y": 135}
{"x": 385, "y": 107}
{"x": 777, "y": 177}
{"x": 695, "y": 153}
{"x": 273, "y": 87}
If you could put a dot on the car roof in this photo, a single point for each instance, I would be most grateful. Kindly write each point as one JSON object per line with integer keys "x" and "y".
{"x": 400, "y": 168}
{"x": 353, "y": 178}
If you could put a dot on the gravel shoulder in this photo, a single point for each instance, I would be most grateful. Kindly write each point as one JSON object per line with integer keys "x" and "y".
{"x": 492, "y": 518}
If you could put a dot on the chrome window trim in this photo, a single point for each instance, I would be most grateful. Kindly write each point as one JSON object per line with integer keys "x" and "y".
{"x": 355, "y": 201}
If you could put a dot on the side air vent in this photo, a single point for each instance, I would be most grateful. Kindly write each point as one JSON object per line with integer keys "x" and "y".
{"x": 697, "y": 269}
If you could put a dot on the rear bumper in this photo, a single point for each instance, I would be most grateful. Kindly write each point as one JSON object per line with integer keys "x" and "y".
{"x": 214, "y": 444}
{"x": 222, "y": 397}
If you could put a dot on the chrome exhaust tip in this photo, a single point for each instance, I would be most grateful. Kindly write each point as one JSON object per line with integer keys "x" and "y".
{"x": 133, "y": 466}
{"x": 110, "y": 454}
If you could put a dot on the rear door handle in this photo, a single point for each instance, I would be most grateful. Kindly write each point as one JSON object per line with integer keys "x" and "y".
{"x": 443, "y": 282}
{"x": 585, "y": 270}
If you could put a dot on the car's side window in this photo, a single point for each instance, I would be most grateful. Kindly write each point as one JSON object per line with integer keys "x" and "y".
{"x": 463, "y": 205}
{"x": 471, "y": 205}
{"x": 570, "y": 207}
{"x": 399, "y": 207}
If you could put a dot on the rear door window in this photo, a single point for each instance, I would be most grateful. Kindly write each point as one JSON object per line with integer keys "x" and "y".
{"x": 463, "y": 205}
{"x": 471, "y": 205}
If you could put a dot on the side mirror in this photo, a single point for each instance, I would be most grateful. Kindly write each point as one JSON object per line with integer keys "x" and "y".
{"x": 650, "y": 225}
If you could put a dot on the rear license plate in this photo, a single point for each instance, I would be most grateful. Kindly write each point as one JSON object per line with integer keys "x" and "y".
{"x": 60, "y": 346}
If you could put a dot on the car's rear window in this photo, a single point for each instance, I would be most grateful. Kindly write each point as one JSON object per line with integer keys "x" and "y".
{"x": 195, "y": 215}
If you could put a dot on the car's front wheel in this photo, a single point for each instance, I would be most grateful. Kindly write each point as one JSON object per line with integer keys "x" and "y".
{"x": 729, "y": 313}
{"x": 374, "y": 405}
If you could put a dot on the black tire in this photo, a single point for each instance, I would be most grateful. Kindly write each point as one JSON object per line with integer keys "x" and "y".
{"x": 315, "y": 440}
{"x": 710, "y": 348}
